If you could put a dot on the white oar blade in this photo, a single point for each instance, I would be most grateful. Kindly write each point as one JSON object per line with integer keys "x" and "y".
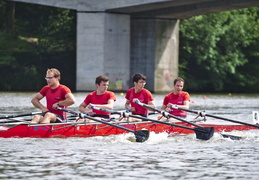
{"x": 255, "y": 117}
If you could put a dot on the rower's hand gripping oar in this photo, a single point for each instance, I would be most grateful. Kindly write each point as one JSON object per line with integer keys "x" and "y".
{"x": 141, "y": 136}
{"x": 203, "y": 114}
{"x": 209, "y": 129}
{"x": 201, "y": 133}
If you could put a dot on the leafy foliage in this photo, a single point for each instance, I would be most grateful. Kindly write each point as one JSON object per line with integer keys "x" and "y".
{"x": 53, "y": 27}
{"x": 218, "y": 52}
{"x": 213, "y": 49}
{"x": 43, "y": 37}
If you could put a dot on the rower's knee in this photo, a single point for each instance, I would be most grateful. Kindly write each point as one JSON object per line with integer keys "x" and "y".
{"x": 48, "y": 118}
{"x": 36, "y": 119}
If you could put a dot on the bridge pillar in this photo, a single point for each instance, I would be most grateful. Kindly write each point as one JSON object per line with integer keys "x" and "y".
{"x": 117, "y": 46}
{"x": 154, "y": 51}
{"x": 103, "y": 48}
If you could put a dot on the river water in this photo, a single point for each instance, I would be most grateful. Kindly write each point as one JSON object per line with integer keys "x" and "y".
{"x": 116, "y": 157}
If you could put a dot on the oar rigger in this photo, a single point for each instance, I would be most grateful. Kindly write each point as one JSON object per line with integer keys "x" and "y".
{"x": 198, "y": 129}
{"x": 216, "y": 117}
{"x": 204, "y": 133}
{"x": 141, "y": 135}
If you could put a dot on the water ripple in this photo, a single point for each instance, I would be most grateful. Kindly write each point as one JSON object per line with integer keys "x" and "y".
{"x": 120, "y": 157}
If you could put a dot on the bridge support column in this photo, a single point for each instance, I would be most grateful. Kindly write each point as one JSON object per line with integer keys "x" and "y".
{"x": 103, "y": 48}
{"x": 154, "y": 51}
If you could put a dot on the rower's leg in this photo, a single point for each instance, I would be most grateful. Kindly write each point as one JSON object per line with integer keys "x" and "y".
{"x": 36, "y": 119}
{"x": 131, "y": 119}
{"x": 48, "y": 118}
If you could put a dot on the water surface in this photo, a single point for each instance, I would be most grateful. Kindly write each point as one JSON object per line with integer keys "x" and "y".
{"x": 119, "y": 157}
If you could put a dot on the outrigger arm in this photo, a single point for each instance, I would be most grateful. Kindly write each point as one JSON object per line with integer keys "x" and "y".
{"x": 141, "y": 135}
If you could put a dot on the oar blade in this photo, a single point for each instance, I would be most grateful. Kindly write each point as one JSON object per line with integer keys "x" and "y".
{"x": 204, "y": 133}
{"x": 141, "y": 135}
{"x": 231, "y": 136}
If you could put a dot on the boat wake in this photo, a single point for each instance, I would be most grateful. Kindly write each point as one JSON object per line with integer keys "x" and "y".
{"x": 161, "y": 138}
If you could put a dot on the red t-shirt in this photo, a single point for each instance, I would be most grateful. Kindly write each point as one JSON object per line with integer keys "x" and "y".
{"x": 177, "y": 99}
{"x": 99, "y": 99}
{"x": 55, "y": 95}
{"x": 144, "y": 96}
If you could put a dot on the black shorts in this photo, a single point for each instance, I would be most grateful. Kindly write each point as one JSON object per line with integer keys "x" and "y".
{"x": 102, "y": 116}
{"x": 143, "y": 115}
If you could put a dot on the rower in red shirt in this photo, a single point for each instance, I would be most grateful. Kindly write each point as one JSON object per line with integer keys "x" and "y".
{"x": 101, "y": 98}
{"x": 177, "y": 98}
{"x": 138, "y": 93}
{"x": 56, "y": 95}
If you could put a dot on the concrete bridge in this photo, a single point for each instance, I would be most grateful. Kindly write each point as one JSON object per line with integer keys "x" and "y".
{"x": 118, "y": 38}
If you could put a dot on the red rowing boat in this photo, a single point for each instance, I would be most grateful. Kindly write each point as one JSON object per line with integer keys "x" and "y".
{"x": 82, "y": 129}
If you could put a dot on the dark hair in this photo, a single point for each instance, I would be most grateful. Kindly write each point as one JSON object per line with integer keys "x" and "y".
{"x": 137, "y": 77}
{"x": 178, "y": 79}
{"x": 99, "y": 79}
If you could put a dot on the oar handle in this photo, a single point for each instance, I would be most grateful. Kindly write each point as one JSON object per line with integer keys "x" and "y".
{"x": 200, "y": 113}
{"x": 124, "y": 114}
{"x": 105, "y": 110}
{"x": 146, "y": 106}
{"x": 69, "y": 111}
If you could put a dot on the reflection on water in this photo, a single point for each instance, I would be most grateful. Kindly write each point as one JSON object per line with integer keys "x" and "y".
{"x": 116, "y": 157}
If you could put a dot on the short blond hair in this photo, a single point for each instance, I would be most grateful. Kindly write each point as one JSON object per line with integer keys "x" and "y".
{"x": 55, "y": 72}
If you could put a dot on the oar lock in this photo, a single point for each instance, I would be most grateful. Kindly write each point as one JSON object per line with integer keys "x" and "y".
{"x": 125, "y": 114}
{"x": 82, "y": 115}
{"x": 202, "y": 114}
{"x": 165, "y": 114}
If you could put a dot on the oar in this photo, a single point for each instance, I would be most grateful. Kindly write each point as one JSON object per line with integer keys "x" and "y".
{"x": 166, "y": 114}
{"x": 204, "y": 133}
{"x": 20, "y": 115}
{"x": 203, "y": 114}
{"x": 15, "y": 120}
{"x": 141, "y": 135}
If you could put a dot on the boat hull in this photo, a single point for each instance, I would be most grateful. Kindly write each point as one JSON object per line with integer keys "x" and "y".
{"x": 63, "y": 130}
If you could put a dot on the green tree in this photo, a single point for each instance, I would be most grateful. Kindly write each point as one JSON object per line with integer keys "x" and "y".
{"x": 213, "y": 47}
{"x": 43, "y": 37}
{"x": 246, "y": 80}
{"x": 53, "y": 28}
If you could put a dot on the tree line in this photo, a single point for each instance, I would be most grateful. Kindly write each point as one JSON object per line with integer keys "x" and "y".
{"x": 40, "y": 37}
{"x": 218, "y": 52}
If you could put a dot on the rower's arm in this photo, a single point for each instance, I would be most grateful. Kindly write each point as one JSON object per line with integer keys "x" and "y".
{"x": 168, "y": 106}
{"x": 163, "y": 107}
{"x": 129, "y": 107}
{"x": 186, "y": 105}
{"x": 109, "y": 105}
{"x": 36, "y": 102}
{"x": 151, "y": 104}
{"x": 82, "y": 107}
{"x": 68, "y": 101}
{"x": 127, "y": 104}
